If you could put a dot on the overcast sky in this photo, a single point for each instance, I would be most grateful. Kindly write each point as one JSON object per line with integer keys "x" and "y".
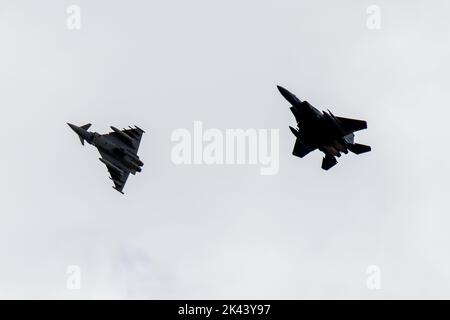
{"x": 224, "y": 231}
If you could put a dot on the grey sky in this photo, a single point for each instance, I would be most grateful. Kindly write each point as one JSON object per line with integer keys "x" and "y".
{"x": 224, "y": 231}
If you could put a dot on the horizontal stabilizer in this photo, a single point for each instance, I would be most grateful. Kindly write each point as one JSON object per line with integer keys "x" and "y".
{"x": 352, "y": 125}
{"x": 300, "y": 149}
{"x": 358, "y": 148}
{"x": 328, "y": 162}
{"x": 112, "y": 166}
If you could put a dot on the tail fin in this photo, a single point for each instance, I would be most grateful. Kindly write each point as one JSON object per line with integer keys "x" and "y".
{"x": 300, "y": 149}
{"x": 328, "y": 162}
{"x": 358, "y": 148}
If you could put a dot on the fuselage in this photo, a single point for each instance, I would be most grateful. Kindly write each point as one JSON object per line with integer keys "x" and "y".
{"x": 320, "y": 129}
{"x": 120, "y": 153}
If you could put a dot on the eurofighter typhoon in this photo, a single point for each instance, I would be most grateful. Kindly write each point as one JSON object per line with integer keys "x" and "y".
{"x": 322, "y": 130}
{"x": 118, "y": 150}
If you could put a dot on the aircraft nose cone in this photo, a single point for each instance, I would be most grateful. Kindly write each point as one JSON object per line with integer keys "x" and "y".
{"x": 288, "y": 96}
{"x": 285, "y": 93}
{"x": 79, "y": 131}
{"x": 74, "y": 127}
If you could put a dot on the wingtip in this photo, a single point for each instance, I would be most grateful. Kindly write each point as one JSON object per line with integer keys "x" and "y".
{"x": 139, "y": 128}
{"x": 117, "y": 190}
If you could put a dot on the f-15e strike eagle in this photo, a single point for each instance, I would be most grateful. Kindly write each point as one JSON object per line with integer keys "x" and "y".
{"x": 322, "y": 130}
{"x": 118, "y": 150}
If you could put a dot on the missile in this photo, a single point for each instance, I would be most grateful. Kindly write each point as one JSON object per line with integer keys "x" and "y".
{"x": 119, "y": 183}
{"x": 136, "y": 167}
{"x": 111, "y": 165}
{"x": 134, "y": 157}
{"x": 138, "y": 161}
{"x": 133, "y": 166}
{"x": 123, "y": 135}
{"x": 126, "y": 152}
{"x": 132, "y": 132}
{"x": 116, "y": 181}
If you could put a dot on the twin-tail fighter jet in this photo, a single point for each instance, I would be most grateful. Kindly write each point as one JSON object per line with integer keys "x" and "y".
{"x": 322, "y": 130}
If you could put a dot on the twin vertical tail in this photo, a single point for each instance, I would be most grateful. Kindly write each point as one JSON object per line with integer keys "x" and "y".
{"x": 328, "y": 161}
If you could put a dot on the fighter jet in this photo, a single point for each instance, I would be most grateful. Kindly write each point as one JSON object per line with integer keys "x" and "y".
{"x": 118, "y": 150}
{"x": 322, "y": 130}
